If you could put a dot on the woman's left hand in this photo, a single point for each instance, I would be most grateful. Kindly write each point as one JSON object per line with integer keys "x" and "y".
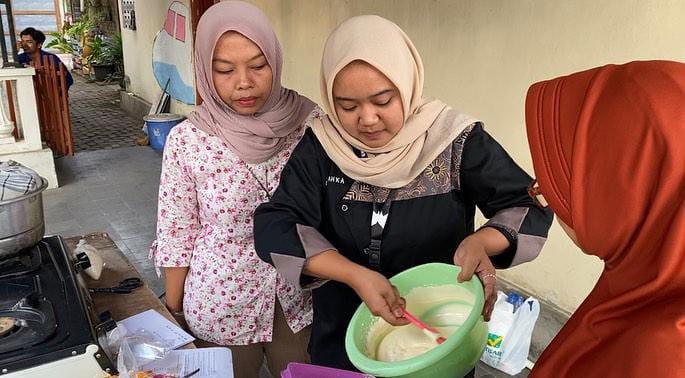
{"x": 472, "y": 257}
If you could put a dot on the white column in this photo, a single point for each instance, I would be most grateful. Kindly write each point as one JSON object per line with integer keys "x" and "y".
{"x": 28, "y": 149}
{"x": 6, "y": 125}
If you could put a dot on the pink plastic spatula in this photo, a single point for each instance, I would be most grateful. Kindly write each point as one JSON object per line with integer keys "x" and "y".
{"x": 428, "y": 330}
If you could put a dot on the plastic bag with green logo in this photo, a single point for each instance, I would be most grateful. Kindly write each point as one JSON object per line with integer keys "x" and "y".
{"x": 509, "y": 333}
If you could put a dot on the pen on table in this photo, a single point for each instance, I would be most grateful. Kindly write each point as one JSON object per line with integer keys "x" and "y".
{"x": 191, "y": 373}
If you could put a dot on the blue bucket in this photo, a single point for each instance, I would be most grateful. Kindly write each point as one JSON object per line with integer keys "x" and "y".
{"x": 158, "y": 127}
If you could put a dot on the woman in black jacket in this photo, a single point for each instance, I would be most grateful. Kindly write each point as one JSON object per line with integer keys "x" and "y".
{"x": 387, "y": 181}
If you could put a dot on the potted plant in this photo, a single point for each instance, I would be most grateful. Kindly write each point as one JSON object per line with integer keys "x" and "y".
{"x": 100, "y": 60}
{"x": 60, "y": 43}
{"x": 114, "y": 53}
{"x": 80, "y": 31}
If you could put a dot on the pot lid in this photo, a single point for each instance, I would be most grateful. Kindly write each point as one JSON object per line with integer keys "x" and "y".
{"x": 17, "y": 180}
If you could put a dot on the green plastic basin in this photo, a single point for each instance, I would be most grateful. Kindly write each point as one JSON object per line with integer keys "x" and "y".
{"x": 456, "y": 357}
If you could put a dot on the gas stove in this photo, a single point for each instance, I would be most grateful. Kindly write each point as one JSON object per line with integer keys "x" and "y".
{"x": 48, "y": 326}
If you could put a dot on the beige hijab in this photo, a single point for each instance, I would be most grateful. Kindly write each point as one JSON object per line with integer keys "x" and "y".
{"x": 429, "y": 126}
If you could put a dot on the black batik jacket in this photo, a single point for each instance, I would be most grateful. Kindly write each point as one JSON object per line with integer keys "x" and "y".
{"x": 317, "y": 207}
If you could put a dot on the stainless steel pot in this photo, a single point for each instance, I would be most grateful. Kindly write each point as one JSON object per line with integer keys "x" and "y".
{"x": 21, "y": 221}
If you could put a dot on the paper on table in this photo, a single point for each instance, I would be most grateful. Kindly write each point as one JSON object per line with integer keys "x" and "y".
{"x": 212, "y": 362}
{"x": 157, "y": 325}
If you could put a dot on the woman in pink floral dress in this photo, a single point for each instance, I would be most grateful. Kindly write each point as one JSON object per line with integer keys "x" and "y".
{"x": 218, "y": 166}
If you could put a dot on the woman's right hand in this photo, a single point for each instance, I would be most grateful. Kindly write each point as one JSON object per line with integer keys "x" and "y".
{"x": 381, "y": 297}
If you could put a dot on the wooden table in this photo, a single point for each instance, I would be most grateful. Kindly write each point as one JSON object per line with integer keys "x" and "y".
{"x": 117, "y": 267}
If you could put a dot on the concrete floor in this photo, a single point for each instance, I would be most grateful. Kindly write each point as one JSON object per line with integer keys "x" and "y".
{"x": 114, "y": 191}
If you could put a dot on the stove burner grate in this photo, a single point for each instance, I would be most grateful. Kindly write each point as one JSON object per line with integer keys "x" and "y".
{"x": 22, "y": 262}
{"x": 34, "y": 321}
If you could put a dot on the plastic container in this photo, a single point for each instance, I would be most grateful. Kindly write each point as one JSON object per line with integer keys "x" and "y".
{"x": 456, "y": 357}
{"x": 158, "y": 127}
{"x": 298, "y": 370}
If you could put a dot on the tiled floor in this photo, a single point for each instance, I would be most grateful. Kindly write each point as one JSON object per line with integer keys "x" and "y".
{"x": 98, "y": 123}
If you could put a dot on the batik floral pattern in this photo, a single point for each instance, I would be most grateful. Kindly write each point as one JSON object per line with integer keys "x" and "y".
{"x": 207, "y": 197}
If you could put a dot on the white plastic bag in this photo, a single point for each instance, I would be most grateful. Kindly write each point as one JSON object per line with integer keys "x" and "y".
{"x": 509, "y": 334}
{"x": 141, "y": 355}
{"x": 96, "y": 262}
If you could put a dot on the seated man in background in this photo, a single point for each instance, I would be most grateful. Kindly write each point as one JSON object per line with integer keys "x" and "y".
{"x": 32, "y": 42}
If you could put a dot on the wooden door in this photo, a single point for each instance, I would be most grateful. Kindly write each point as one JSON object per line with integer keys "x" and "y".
{"x": 52, "y": 100}
{"x": 198, "y": 7}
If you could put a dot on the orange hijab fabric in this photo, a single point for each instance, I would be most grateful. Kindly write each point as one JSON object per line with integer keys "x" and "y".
{"x": 608, "y": 147}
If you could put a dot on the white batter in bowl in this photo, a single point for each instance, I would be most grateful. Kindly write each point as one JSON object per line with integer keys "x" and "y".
{"x": 444, "y": 307}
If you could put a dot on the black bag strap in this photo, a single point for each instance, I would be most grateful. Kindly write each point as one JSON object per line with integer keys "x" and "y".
{"x": 381, "y": 211}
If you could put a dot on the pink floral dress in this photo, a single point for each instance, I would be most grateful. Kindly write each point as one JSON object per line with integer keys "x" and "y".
{"x": 207, "y": 197}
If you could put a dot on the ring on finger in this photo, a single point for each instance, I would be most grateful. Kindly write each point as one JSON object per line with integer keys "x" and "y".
{"x": 488, "y": 275}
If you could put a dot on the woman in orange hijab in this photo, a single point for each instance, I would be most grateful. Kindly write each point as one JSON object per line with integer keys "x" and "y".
{"x": 608, "y": 147}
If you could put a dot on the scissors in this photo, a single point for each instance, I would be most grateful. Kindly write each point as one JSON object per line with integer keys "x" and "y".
{"x": 124, "y": 287}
